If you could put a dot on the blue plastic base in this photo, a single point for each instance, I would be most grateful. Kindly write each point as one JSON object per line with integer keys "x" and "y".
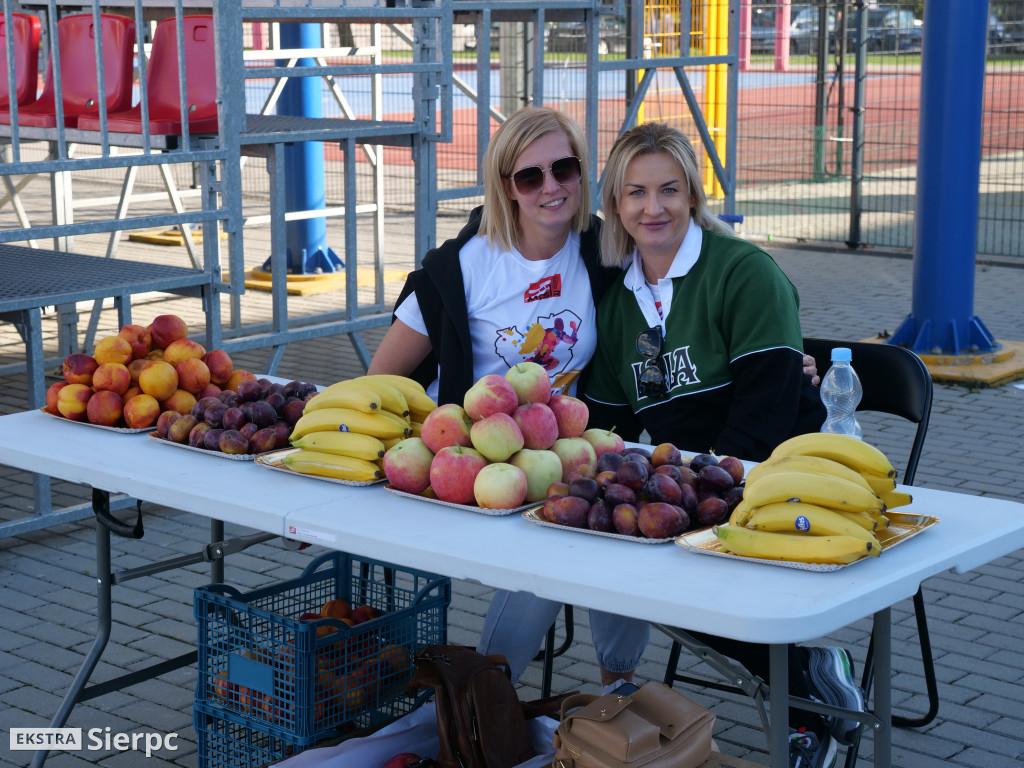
{"x": 956, "y": 339}
{"x": 306, "y": 263}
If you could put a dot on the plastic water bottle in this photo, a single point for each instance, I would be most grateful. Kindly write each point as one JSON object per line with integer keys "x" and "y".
{"x": 841, "y": 393}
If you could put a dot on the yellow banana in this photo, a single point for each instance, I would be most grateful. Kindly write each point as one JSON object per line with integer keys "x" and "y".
{"x": 823, "y": 490}
{"x": 801, "y": 463}
{"x": 355, "y": 444}
{"x": 332, "y": 465}
{"x": 391, "y": 399}
{"x": 401, "y": 420}
{"x": 880, "y": 485}
{"x": 391, "y": 442}
{"x": 871, "y": 521}
{"x": 741, "y": 513}
{"x": 797, "y": 517}
{"x": 896, "y": 499}
{"x": 381, "y": 424}
{"x": 794, "y": 547}
{"x": 856, "y": 454}
{"x": 417, "y": 428}
{"x": 357, "y": 398}
{"x": 415, "y": 395}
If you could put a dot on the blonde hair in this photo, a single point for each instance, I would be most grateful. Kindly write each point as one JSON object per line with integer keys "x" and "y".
{"x": 500, "y": 220}
{"x": 646, "y": 139}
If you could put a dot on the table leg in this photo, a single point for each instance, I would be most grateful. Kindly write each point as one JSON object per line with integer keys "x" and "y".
{"x": 883, "y": 688}
{"x": 778, "y": 712}
{"x": 35, "y": 370}
{"x": 103, "y": 623}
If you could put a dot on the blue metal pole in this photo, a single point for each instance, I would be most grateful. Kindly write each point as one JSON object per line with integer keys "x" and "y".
{"x": 307, "y": 252}
{"x": 948, "y": 171}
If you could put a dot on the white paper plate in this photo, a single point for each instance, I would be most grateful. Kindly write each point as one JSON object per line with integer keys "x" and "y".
{"x": 534, "y": 515}
{"x": 122, "y": 430}
{"x": 467, "y": 507}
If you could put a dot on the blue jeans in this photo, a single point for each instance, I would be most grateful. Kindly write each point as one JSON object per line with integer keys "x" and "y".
{"x": 516, "y": 624}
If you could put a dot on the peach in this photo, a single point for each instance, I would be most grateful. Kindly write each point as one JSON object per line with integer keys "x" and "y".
{"x": 51, "y": 395}
{"x": 181, "y": 401}
{"x": 210, "y": 390}
{"x": 159, "y": 379}
{"x": 132, "y": 392}
{"x": 104, "y": 408}
{"x": 112, "y": 349}
{"x": 336, "y": 609}
{"x": 72, "y": 401}
{"x": 78, "y": 368}
{"x": 164, "y": 421}
{"x": 193, "y": 374}
{"x": 237, "y": 377}
{"x": 155, "y": 354}
{"x": 112, "y": 377}
{"x": 140, "y": 339}
{"x": 141, "y": 411}
{"x": 183, "y": 349}
{"x": 220, "y": 365}
{"x": 166, "y": 329}
{"x": 135, "y": 368}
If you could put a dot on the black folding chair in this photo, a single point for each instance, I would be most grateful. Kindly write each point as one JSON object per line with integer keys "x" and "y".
{"x": 895, "y": 382}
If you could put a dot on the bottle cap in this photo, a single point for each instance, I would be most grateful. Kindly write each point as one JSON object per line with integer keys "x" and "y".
{"x": 841, "y": 355}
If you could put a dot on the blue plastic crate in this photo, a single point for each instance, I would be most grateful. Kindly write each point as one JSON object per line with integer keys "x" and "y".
{"x": 302, "y": 680}
{"x": 228, "y": 741}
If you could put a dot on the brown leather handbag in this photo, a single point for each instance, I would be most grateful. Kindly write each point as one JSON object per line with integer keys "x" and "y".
{"x": 655, "y": 727}
{"x": 480, "y": 720}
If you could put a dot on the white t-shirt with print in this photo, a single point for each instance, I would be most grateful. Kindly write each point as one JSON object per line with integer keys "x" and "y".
{"x": 522, "y": 310}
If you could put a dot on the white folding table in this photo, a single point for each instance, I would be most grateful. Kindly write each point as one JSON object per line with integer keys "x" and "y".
{"x": 659, "y": 583}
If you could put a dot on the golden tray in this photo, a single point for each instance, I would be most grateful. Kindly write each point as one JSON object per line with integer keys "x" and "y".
{"x": 122, "y": 430}
{"x": 275, "y": 460}
{"x": 902, "y": 526}
{"x": 467, "y": 507}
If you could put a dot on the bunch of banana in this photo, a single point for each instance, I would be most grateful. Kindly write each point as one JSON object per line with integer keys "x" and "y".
{"x": 819, "y": 498}
{"x": 346, "y": 428}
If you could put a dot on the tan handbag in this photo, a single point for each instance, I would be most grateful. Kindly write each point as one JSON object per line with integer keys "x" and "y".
{"x": 655, "y": 727}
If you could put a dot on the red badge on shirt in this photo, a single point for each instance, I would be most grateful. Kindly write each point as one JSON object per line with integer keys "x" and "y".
{"x": 545, "y": 288}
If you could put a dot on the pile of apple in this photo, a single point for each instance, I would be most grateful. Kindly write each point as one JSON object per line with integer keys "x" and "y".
{"x": 132, "y": 377}
{"x": 655, "y": 494}
{"x": 505, "y": 445}
{"x": 256, "y": 418}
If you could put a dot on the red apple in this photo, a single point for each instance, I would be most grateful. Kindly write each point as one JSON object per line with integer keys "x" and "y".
{"x": 571, "y": 414}
{"x": 542, "y": 468}
{"x": 496, "y": 436}
{"x": 491, "y": 394}
{"x": 407, "y": 465}
{"x": 445, "y": 426}
{"x": 453, "y": 472}
{"x": 573, "y": 451}
{"x": 500, "y": 486}
{"x": 537, "y": 423}
{"x": 604, "y": 441}
{"x": 530, "y": 381}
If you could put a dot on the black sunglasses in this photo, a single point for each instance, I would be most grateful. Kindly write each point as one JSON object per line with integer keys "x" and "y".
{"x": 565, "y": 170}
{"x": 652, "y": 380}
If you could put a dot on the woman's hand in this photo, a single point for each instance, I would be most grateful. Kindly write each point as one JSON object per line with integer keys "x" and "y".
{"x": 811, "y": 369}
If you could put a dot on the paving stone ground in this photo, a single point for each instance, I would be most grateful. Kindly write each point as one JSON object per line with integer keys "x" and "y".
{"x": 975, "y": 446}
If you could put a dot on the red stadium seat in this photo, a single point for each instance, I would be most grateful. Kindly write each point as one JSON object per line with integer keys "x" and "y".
{"x": 25, "y": 41}
{"x": 162, "y": 81}
{"x": 80, "y": 94}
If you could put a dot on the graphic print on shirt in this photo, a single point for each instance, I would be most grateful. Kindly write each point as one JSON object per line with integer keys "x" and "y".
{"x": 548, "y": 342}
{"x": 677, "y": 366}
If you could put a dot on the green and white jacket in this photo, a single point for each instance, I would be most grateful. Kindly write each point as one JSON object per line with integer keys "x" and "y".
{"x": 732, "y": 352}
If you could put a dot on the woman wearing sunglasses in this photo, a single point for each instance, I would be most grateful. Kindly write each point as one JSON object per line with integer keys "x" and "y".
{"x": 699, "y": 343}
{"x": 519, "y": 283}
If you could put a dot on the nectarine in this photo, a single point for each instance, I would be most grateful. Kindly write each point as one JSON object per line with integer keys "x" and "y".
{"x": 159, "y": 380}
{"x": 113, "y": 377}
{"x": 112, "y": 349}
{"x": 72, "y": 401}
{"x": 141, "y": 411}
{"x": 183, "y": 349}
{"x": 166, "y": 329}
{"x": 78, "y": 368}
{"x": 140, "y": 339}
{"x": 104, "y": 408}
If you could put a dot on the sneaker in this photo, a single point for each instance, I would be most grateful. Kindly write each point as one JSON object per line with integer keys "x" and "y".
{"x": 829, "y": 677}
{"x": 807, "y": 750}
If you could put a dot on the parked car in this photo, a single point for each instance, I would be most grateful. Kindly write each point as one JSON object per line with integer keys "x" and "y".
{"x": 889, "y": 29}
{"x": 803, "y": 30}
{"x": 571, "y": 36}
{"x": 762, "y": 30}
